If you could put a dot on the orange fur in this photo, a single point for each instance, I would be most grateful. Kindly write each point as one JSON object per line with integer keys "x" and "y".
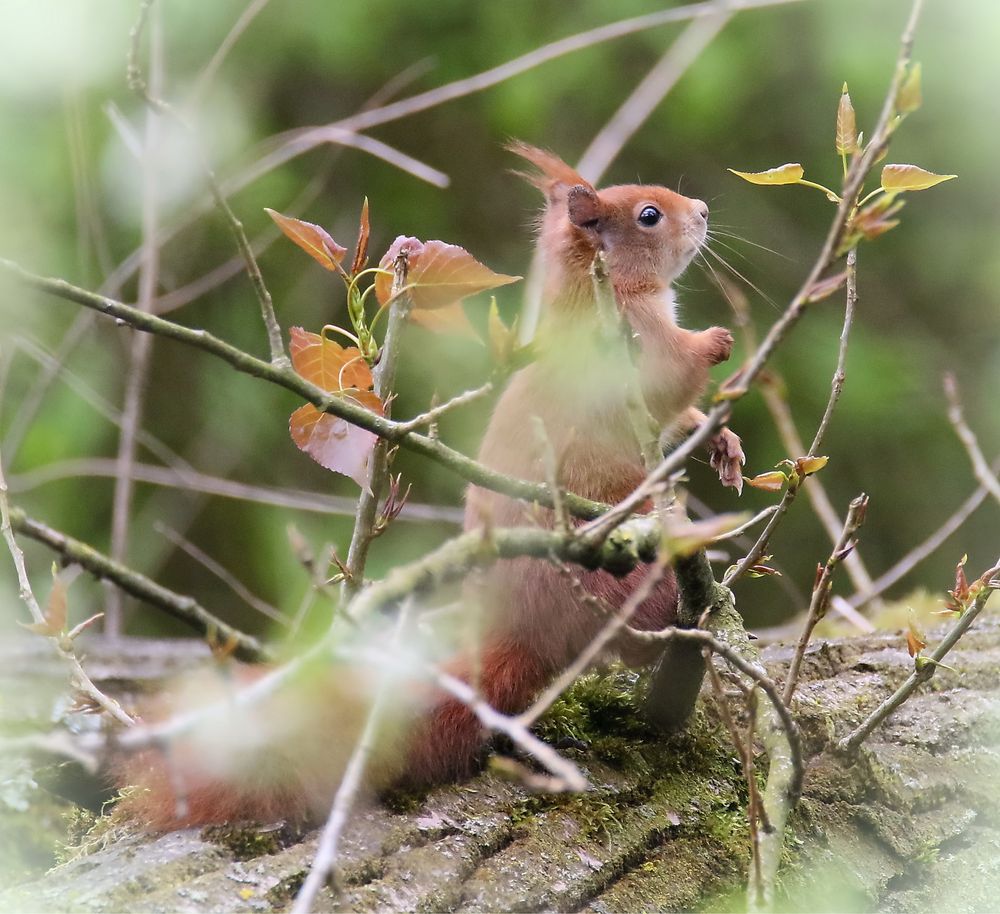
{"x": 533, "y": 622}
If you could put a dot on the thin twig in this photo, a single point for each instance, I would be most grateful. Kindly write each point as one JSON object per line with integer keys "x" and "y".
{"x": 924, "y": 666}
{"x": 223, "y": 574}
{"x": 744, "y": 749}
{"x": 327, "y": 850}
{"x": 927, "y": 547}
{"x": 62, "y": 642}
{"x": 185, "y": 608}
{"x": 980, "y": 467}
{"x": 820, "y": 599}
{"x": 253, "y": 9}
{"x": 193, "y": 481}
{"x": 431, "y": 416}
{"x": 616, "y": 623}
{"x": 789, "y": 435}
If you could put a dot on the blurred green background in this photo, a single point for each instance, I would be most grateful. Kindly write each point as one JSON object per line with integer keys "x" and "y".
{"x": 764, "y": 92}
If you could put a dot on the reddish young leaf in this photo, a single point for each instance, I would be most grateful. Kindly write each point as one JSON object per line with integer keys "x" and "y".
{"x": 361, "y": 251}
{"x": 55, "y": 612}
{"x": 313, "y": 239}
{"x": 439, "y": 274}
{"x": 328, "y": 364}
{"x": 768, "y": 482}
{"x": 331, "y": 441}
{"x": 915, "y": 640}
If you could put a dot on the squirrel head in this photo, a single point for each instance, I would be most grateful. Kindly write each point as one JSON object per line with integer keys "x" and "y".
{"x": 649, "y": 234}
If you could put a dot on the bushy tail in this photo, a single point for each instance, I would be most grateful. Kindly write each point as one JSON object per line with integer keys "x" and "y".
{"x": 446, "y": 744}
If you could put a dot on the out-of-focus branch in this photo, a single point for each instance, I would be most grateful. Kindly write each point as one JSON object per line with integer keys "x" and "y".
{"x": 925, "y": 667}
{"x": 185, "y": 608}
{"x": 980, "y": 467}
{"x": 141, "y": 344}
{"x": 926, "y": 548}
{"x": 193, "y": 481}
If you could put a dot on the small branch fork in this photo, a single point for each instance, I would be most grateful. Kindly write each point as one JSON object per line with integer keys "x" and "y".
{"x": 822, "y": 589}
{"x": 63, "y": 642}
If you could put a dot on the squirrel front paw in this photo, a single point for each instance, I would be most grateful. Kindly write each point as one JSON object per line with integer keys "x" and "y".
{"x": 718, "y": 345}
{"x": 727, "y": 458}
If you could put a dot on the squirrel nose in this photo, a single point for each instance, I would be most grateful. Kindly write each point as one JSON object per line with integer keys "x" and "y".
{"x": 701, "y": 208}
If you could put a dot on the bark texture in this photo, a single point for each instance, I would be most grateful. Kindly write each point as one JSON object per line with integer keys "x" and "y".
{"x": 910, "y": 824}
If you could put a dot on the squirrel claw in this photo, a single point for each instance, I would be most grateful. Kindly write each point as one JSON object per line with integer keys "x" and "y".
{"x": 727, "y": 458}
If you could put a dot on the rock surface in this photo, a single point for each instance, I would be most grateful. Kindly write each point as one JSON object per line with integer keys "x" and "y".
{"x": 911, "y": 824}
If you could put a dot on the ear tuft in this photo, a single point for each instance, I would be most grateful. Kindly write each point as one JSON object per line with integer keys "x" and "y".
{"x": 555, "y": 175}
{"x": 583, "y": 206}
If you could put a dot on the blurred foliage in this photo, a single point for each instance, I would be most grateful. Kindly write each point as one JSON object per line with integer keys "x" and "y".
{"x": 764, "y": 92}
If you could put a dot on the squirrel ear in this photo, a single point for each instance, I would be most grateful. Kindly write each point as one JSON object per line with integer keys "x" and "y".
{"x": 583, "y": 206}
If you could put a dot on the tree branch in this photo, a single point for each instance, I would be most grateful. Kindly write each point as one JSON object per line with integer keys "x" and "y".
{"x": 185, "y": 608}
{"x": 284, "y": 376}
{"x": 925, "y": 667}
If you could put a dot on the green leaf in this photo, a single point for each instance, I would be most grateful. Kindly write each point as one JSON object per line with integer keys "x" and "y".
{"x": 897, "y": 178}
{"x": 783, "y": 174}
{"x": 909, "y": 97}
{"x": 847, "y": 128}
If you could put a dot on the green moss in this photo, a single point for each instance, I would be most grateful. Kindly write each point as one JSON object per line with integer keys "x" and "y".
{"x": 402, "y": 800}
{"x": 246, "y": 842}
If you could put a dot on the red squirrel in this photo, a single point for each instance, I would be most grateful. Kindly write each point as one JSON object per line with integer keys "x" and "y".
{"x": 533, "y": 624}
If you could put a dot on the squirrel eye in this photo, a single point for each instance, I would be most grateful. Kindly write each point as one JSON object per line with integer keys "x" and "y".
{"x": 650, "y": 215}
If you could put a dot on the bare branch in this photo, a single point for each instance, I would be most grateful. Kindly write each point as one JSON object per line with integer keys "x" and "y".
{"x": 605, "y": 147}
{"x": 223, "y": 574}
{"x": 820, "y": 600}
{"x": 925, "y": 667}
{"x": 185, "y": 608}
{"x": 325, "y": 858}
{"x": 965, "y": 434}
{"x": 193, "y": 481}
{"x": 926, "y": 548}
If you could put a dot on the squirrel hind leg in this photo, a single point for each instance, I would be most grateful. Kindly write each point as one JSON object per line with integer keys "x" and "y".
{"x": 656, "y": 612}
{"x": 447, "y": 743}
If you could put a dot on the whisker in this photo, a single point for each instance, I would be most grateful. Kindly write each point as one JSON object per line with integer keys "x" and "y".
{"x": 715, "y": 230}
{"x": 719, "y": 283}
{"x": 739, "y": 275}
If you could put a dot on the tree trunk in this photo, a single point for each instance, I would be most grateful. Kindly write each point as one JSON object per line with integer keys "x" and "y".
{"x": 910, "y": 824}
